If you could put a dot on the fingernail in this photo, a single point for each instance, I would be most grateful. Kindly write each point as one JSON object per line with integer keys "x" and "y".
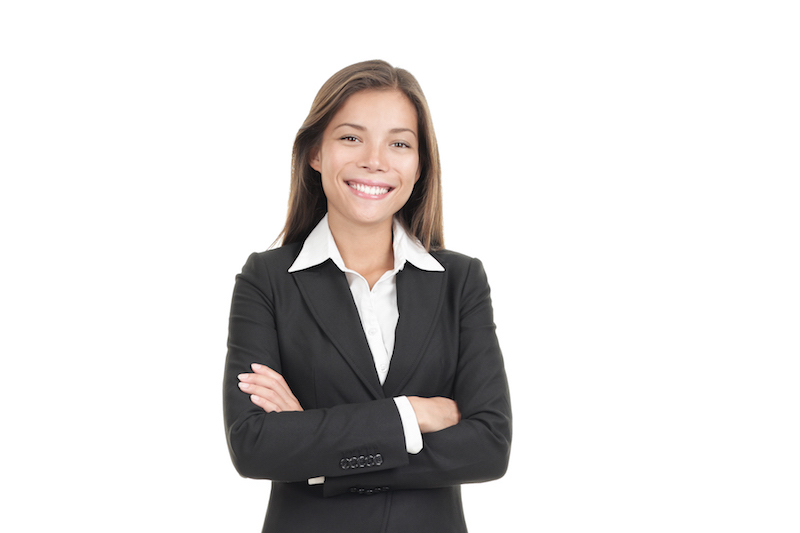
{"x": 242, "y": 377}
{"x": 243, "y": 385}
{"x": 255, "y": 365}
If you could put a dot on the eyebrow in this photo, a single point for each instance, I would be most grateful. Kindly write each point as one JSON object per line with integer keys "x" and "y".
{"x": 362, "y": 128}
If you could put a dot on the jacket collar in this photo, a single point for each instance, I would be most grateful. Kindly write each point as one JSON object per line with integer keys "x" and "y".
{"x": 320, "y": 246}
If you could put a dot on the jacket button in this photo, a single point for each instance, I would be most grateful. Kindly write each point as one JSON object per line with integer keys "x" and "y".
{"x": 378, "y": 459}
{"x": 343, "y": 463}
{"x": 371, "y": 460}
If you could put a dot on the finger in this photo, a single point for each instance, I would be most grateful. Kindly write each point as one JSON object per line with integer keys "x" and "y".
{"x": 266, "y": 371}
{"x": 276, "y": 381}
{"x": 259, "y": 384}
{"x": 265, "y": 388}
{"x": 265, "y": 404}
{"x": 275, "y": 398}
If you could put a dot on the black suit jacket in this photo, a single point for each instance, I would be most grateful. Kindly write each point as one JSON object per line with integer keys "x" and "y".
{"x": 305, "y": 325}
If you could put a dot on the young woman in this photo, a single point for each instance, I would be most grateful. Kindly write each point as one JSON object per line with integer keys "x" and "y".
{"x": 362, "y": 356}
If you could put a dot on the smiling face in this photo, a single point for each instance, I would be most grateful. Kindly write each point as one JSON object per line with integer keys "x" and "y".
{"x": 369, "y": 159}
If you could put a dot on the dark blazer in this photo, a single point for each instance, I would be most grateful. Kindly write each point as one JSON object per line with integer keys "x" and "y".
{"x": 305, "y": 325}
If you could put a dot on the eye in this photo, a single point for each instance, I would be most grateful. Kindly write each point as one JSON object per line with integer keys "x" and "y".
{"x": 351, "y": 138}
{"x": 401, "y": 144}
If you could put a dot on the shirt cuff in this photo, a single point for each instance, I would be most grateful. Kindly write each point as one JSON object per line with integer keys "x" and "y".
{"x": 410, "y": 425}
{"x": 316, "y": 480}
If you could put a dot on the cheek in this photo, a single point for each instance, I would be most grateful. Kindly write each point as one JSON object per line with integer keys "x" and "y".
{"x": 417, "y": 167}
{"x": 327, "y": 172}
{"x": 411, "y": 168}
{"x": 332, "y": 164}
{"x": 327, "y": 187}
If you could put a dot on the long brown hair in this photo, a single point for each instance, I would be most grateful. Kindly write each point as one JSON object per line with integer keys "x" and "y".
{"x": 422, "y": 214}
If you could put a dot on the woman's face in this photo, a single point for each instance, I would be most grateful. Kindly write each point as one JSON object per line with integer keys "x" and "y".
{"x": 369, "y": 159}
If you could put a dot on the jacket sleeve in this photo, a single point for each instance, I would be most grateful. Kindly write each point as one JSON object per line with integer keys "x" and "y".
{"x": 295, "y": 446}
{"x": 477, "y": 448}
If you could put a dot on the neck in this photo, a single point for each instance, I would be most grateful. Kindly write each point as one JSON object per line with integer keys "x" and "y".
{"x": 365, "y": 249}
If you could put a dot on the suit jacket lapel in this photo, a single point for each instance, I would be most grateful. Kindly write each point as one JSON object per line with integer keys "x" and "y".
{"x": 419, "y": 300}
{"x": 325, "y": 291}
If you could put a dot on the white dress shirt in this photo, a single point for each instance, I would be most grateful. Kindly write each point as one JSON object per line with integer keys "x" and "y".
{"x": 377, "y": 307}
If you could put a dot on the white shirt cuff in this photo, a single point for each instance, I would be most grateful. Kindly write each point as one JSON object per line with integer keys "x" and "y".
{"x": 410, "y": 425}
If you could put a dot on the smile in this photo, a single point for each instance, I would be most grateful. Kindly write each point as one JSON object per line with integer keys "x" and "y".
{"x": 371, "y": 190}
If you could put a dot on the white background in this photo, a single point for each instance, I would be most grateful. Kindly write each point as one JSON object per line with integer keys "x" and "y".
{"x": 627, "y": 171}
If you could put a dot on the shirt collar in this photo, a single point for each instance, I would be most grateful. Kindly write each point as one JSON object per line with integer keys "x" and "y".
{"x": 319, "y": 246}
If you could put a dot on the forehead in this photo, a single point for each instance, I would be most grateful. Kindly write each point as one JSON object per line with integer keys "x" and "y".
{"x": 386, "y": 107}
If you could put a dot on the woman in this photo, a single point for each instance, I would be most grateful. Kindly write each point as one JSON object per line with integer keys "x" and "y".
{"x": 362, "y": 357}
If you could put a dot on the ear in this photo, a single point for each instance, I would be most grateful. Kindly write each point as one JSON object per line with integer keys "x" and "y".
{"x": 313, "y": 159}
{"x": 419, "y": 173}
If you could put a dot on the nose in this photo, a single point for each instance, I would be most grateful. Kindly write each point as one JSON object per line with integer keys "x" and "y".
{"x": 374, "y": 158}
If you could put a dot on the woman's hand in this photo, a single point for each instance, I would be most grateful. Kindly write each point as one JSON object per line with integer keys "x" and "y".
{"x": 268, "y": 390}
{"x": 435, "y": 414}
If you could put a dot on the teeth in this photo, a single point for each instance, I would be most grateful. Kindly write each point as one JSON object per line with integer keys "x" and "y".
{"x": 369, "y": 189}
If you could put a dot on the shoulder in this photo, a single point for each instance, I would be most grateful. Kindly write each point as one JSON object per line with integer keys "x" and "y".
{"x": 466, "y": 282}
{"x": 455, "y": 261}
{"x": 460, "y": 267}
{"x": 274, "y": 261}
{"x": 267, "y": 269}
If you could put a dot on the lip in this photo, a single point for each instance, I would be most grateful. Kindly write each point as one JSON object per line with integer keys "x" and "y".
{"x": 368, "y": 188}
